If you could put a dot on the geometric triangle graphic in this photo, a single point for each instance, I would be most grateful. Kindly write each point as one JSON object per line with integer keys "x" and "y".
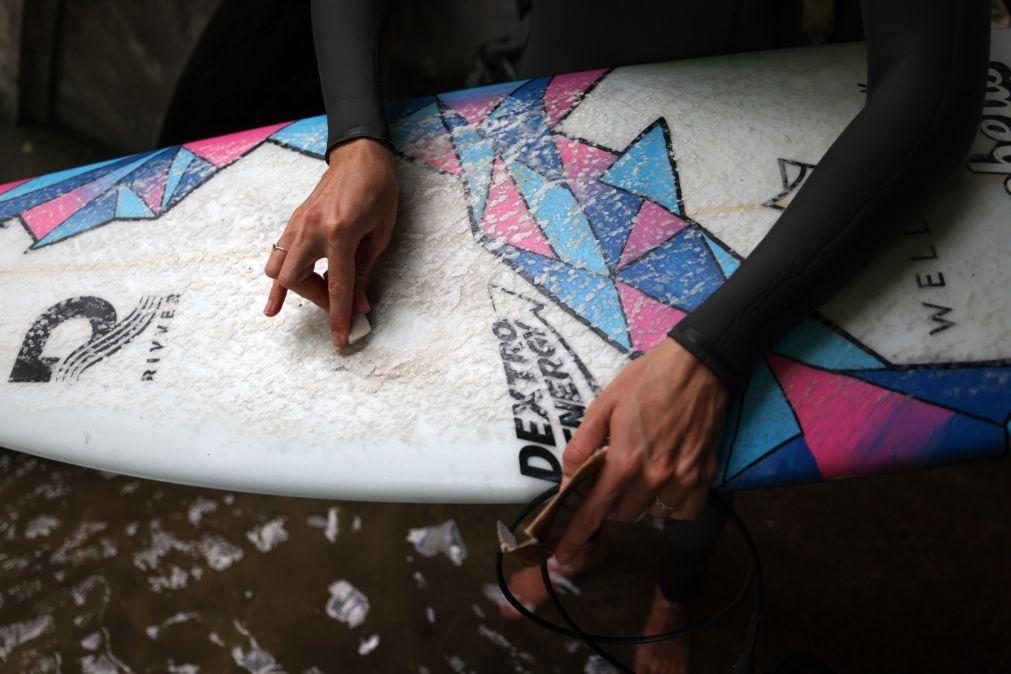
{"x": 508, "y": 219}
{"x": 856, "y": 428}
{"x": 646, "y": 169}
{"x": 518, "y": 127}
{"x": 648, "y": 320}
{"x": 306, "y": 135}
{"x": 815, "y": 343}
{"x": 728, "y": 263}
{"x": 680, "y": 272}
{"x": 179, "y": 165}
{"x": 565, "y": 91}
{"x": 423, "y": 137}
{"x": 129, "y": 205}
{"x": 223, "y": 150}
{"x": 475, "y": 104}
{"x": 653, "y": 226}
{"x": 766, "y": 421}
{"x": 790, "y": 463}
{"x": 94, "y": 214}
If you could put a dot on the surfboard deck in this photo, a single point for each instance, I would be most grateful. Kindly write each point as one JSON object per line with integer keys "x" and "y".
{"x": 549, "y": 231}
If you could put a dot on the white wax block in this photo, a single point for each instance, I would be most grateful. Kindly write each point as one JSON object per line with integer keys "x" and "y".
{"x": 360, "y": 327}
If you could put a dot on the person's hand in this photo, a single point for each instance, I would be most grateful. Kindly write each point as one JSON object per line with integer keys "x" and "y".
{"x": 662, "y": 418}
{"x": 348, "y": 219}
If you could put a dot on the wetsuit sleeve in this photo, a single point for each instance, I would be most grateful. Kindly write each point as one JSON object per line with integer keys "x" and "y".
{"x": 927, "y": 66}
{"x": 351, "y": 53}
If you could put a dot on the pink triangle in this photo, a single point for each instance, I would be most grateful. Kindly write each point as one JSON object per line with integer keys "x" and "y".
{"x": 507, "y": 218}
{"x": 565, "y": 91}
{"x": 653, "y": 225}
{"x": 854, "y": 427}
{"x": 436, "y": 151}
{"x": 475, "y": 108}
{"x": 9, "y": 186}
{"x": 648, "y": 320}
{"x": 49, "y": 215}
{"x": 583, "y": 163}
{"x": 223, "y": 150}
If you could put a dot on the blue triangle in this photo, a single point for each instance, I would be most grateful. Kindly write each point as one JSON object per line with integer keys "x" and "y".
{"x": 792, "y": 463}
{"x": 983, "y": 391}
{"x": 197, "y": 173}
{"x": 963, "y": 438}
{"x": 306, "y": 135}
{"x": 477, "y": 159}
{"x": 766, "y": 421}
{"x": 97, "y": 213}
{"x": 680, "y": 272}
{"x": 560, "y": 218}
{"x": 590, "y": 296}
{"x": 645, "y": 169}
{"x": 611, "y": 213}
{"x": 728, "y": 263}
{"x": 815, "y": 343}
{"x": 504, "y": 89}
{"x": 129, "y": 205}
{"x": 520, "y": 131}
{"x": 179, "y": 164}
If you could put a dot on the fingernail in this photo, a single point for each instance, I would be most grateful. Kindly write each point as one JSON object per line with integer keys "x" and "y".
{"x": 269, "y": 309}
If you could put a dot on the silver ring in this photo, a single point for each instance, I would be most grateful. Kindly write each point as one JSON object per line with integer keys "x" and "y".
{"x": 663, "y": 506}
{"x": 277, "y": 247}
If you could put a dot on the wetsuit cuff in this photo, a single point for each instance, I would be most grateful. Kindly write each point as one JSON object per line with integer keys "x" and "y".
{"x": 693, "y": 342}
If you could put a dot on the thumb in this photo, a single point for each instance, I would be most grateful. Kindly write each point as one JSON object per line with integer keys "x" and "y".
{"x": 588, "y": 438}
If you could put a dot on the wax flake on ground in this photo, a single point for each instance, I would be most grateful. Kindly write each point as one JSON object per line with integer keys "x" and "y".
{"x": 17, "y": 634}
{"x": 41, "y": 526}
{"x": 366, "y": 646}
{"x": 430, "y": 614}
{"x": 185, "y": 668}
{"x": 106, "y": 663}
{"x": 597, "y": 665}
{"x": 329, "y": 524}
{"x": 444, "y": 538}
{"x": 268, "y": 536}
{"x": 92, "y": 641}
{"x": 254, "y": 659}
{"x": 478, "y": 611}
{"x": 356, "y": 524}
{"x": 153, "y": 631}
{"x": 456, "y": 662}
{"x": 200, "y": 507}
{"x": 347, "y": 604}
{"x": 493, "y": 636}
{"x": 420, "y": 580}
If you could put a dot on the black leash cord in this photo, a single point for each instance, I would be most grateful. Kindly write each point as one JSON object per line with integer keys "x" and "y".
{"x": 745, "y": 660}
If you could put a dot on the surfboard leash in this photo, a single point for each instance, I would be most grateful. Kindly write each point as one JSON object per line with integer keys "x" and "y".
{"x": 745, "y": 659}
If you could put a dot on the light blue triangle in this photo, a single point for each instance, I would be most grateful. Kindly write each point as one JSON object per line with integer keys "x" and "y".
{"x": 728, "y": 263}
{"x": 766, "y": 421}
{"x": 476, "y": 158}
{"x": 129, "y": 205}
{"x": 645, "y": 169}
{"x": 817, "y": 344}
{"x": 307, "y": 135}
{"x": 561, "y": 219}
{"x": 175, "y": 174}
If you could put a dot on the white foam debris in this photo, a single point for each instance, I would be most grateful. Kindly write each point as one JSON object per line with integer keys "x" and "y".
{"x": 330, "y": 524}
{"x": 16, "y": 634}
{"x": 456, "y": 662}
{"x": 131, "y": 528}
{"x": 219, "y": 553}
{"x": 347, "y": 604}
{"x": 105, "y": 663}
{"x": 366, "y": 646}
{"x": 445, "y": 538}
{"x": 215, "y": 639}
{"x": 419, "y": 580}
{"x": 129, "y": 487}
{"x": 200, "y": 507}
{"x": 478, "y": 611}
{"x": 356, "y": 524}
{"x": 493, "y": 636}
{"x": 430, "y": 614}
{"x": 92, "y": 641}
{"x": 268, "y": 536}
{"x": 41, "y": 526}
{"x": 176, "y": 579}
{"x": 154, "y": 630}
{"x": 254, "y": 659}
{"x": 598, "y": 665}
{"x": 185, "y": 668}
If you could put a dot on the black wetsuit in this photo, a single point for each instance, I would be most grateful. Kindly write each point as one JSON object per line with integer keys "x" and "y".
{"x": 927, "y": 65}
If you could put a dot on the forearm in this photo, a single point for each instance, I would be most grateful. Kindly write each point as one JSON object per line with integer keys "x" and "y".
{"x": 349, "y": 36}
{"x": 927, "y": 72}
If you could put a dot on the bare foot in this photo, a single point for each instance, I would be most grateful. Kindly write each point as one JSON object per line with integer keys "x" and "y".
{"x": 527, "y": 587}
{"x": 663, "y": 657}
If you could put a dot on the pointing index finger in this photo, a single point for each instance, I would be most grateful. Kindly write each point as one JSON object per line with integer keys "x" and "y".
{"x": 340, "y": 286}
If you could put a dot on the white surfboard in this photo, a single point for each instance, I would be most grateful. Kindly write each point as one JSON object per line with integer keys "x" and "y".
{"x": 549, "y": 231}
